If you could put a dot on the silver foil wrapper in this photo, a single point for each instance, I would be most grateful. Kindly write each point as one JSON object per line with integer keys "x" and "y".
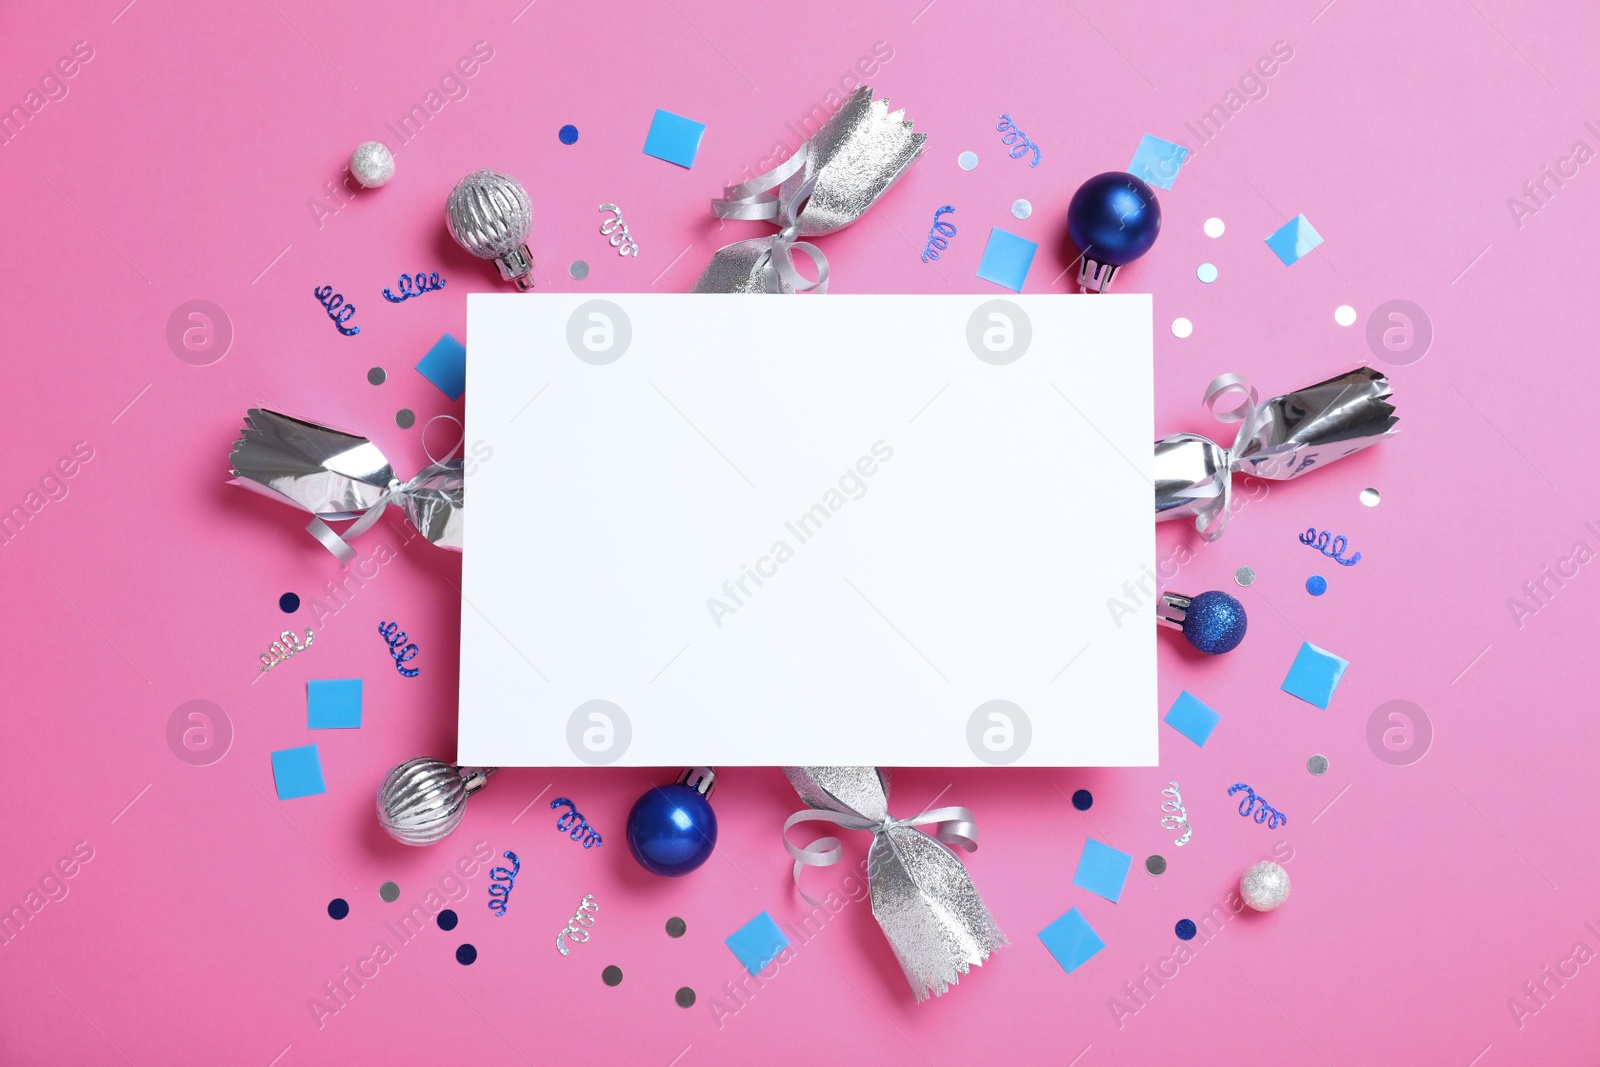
{"x": 335, "y": 475}
{"x": 830, "y": 182}
{"x": 922, "y": 896}
{"x": 1278, "y": 439}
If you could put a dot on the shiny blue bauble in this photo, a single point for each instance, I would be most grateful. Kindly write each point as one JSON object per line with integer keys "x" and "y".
{"x": 672, "y": 830}
{"x": 1215, "y": 623}
{"x": 1114, "y": 218}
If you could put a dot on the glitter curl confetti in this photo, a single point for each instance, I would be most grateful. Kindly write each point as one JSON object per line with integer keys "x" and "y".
{"x": 574, "y": 824}
{"x": 284, "y": 647}
{"x": 582, "y": 918}
{"x": 1176, "y": 818}
{"x": 504, "y": 879}
{"x": 1265, "y": 813}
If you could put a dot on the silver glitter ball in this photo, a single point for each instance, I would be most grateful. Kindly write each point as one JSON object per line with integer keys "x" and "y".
{"x": 422, "y": 800}
{"x": 372, "y": 164}
{"x": 490, "y": 216}
{"x": 1265, "y": 886}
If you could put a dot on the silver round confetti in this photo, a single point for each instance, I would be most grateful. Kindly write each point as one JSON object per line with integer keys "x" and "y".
{"x": 405, "y": 418}
{"x": 377, "y": 376}
{"x": 1021, "y": 209}
{"x": 1264, "y": 886}
{"x": 1156, "y": 864}
{"x": 1317, "y": 765}
{"x": 579, "y": 270}
{"x": 1369, "y": 497}
{"x": 372, "y": 164}
{"x": 389, "y": 892}
{"x": 967, "y": 160}
{"x": 1245, "y": 576}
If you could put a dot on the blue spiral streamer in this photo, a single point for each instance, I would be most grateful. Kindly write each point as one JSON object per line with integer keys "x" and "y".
{"x": 574, "y": 824}
{"x": 1330, "y": 546}
{"x": 502, "y": 880}
{"x": 1264, "y": 812}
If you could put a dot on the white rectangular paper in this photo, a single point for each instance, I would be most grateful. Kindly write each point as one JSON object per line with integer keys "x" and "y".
{"x": 725, "y": 529}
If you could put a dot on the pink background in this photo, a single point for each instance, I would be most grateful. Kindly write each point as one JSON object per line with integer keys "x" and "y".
{"x": 179, "y": 166}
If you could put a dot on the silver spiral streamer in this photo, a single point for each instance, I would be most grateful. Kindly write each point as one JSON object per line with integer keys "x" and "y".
{"x": 422, "y": 800}
{"x": 489, "y": 215}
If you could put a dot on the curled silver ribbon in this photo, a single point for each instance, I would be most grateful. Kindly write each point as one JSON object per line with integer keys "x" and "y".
{"x": 1277, "y": 439}
{"x": 922, "y": 896}
{"x": 755, "y": 199}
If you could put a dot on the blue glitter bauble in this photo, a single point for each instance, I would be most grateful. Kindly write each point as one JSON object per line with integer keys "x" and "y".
{"x": 1114, "y": 218}
{"x": 672, "y": 830}
{"x": 1215, "y": 623}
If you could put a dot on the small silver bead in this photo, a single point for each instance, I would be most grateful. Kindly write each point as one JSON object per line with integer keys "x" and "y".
{"x": 372, "y": 164}
{"x": 1264, "y": 886}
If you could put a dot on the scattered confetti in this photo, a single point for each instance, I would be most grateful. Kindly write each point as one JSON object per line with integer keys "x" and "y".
{"x": 1185, "y": 929}
{"x": 1017, "y": 140}
{"x": 580, "y": 922}
{"x": 568, "y": 134}
{"x": 1157, "y": 161}
{"x": 297, "y": 772}
{"x": 1021, "y": 209}
{"x": 377, "y": 376}
{"x": 1317, "y": 765}
{"x": 338, "y": 908}
{"x": 405, "y": 418}
{"x": 574, "y": 822}
{"x": 1192, "y": 718}
{"x": 1369, "y": 497}
{"x": 1314, "y": 675}
{"x": 617, "y": 230}
{"x": 331, "y": 303}
{"x": 1156, "y": 865}
{"x": 1245, "y": 576}
{"x": 676, "y": 927}
{"x": 1206, "y": 272}
{"x": 1174, "y": 816}
{"x": 333, "y": 704}
{"x": 674, "y": 138}
{"x": 409, "y": 287}
{"x": 1264, "y": 813}
{"x": 967, "y": 160}
{"x": 612, "y": 975}
{"x": 1182, "y": 327}
{"x": 1102, "y": 870}
{"x": 939, "y": 234}
{"x": 399, "y": 650}
{"x": 505, "y": 880}
{"x": 389, "y": 892}
{"x": 1071, "y": 940}
{"x": 445, "y": 366}
{"x": 1007, "y": 259}
{"x": 1214, "y": 227}
{"x": 447, "y": 919}
{"x": 1294, "y": 240}
{"x": 684, "y": 997}
{"x": 289, "y": 603}
{"x": 757, "y": 943}
{"x": 1083, "y": 800}
{"x": 1344, "y": 315}
{"x": 578, "y": 271}
{"x": 1316, "y": 585}
{"x": 466, "y": 955}
{"x": 1332, "y": 547}
{"x": 287, "y": 644}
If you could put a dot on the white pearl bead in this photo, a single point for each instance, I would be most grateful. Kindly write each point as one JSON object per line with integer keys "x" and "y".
{"x": 372, "y": 164}
{"x": 1264, "y": 886}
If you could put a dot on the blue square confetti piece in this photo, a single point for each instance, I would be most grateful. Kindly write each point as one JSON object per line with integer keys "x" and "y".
{"x": 1157, "y": 161}
{"x": 445, "y": 366}
{"x": 674, "y": 138}
{"x": 1294, "y": 240}
{"x": 1102, "y": 870}
{"x": 1315, "y": 675}
{"x": 757, "y": 943}
{"x": 334, "y": 704}
{"x": 298, "y": 772}
{"x": 1007, "y": 259}
{"x": 1192, "y": 718}
{"x": 1071, "y": 940}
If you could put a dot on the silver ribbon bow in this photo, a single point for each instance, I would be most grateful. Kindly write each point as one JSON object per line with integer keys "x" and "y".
{"x": 829, "y": 183}
{"x": 921, "y": 895}
{"x": 336, "y": 475}
{"x": 1279, "y": 439}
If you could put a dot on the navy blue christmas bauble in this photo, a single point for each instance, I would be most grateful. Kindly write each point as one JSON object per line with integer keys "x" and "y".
{"x": 1114, "y": 217}
{"x": 1215, "y": 623}
{"x": 672, "y": 829}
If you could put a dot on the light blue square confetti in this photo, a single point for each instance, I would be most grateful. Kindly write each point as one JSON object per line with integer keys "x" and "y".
{"x": 1192, "y": 718}
{"x": 297, "y": 772}
{"x": 1102, "y": 870}
{"x": 1007, "y": 259}
{"x": 1294, "y": 240}
{"x": 674, "y": 138}
{"x": 445, "y": 366}
{"x": 1315, "y": 675}
{"x": 1157, "y": 161}
{"x": 757, "y": 943}
{"x": 1071, "y": 940}
{"x": 333, "y": 704}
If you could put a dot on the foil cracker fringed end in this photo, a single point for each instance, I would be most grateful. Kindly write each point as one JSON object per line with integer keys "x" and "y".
{"x": 922, "y": 896}
{"x": 335, "y": 475}
{"x": 1278, "y": 439}
{"x": 831, "y": 181}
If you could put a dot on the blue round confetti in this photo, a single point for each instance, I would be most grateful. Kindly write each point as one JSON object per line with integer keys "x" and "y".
{"x": 1316, "y": 585}
{"x": 289, "y": 603}
{"x": 447, "y": 920}
{"x": 568, "y": 134}
{"x": 1083, "y": 800}
{"x": 338, "y": 908}
{"x": 1185, "y": 929}
{"x": 1206, "y": 272}
{"x": 466, "y": 954}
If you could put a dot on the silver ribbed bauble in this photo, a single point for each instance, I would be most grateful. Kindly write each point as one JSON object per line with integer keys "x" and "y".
{"x": 422, "y": 800}
{"x": 489, "y": 215}
{"x": 1264, "y": 886}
